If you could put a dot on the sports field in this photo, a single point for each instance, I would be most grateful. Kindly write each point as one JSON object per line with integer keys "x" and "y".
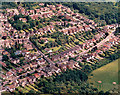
{"x": 107, "y": 75}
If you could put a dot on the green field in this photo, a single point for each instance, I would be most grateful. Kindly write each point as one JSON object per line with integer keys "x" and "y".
{"x": 107, "y": 74}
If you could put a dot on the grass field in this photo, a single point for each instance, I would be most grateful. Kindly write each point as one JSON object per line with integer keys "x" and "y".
{"x": 107, "y": 74}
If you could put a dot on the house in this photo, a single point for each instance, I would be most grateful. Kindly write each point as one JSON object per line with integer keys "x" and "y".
{"x": 11, "y": 87}
{"x": 14, "y": 71}
{"x": 99, "y": 51}
{"x": 32, "y": 57}
{"x": 44, "y": 39}
{"x": 3, "y": 89}
{"x": 87, "y": 28}
{"x": 19, "y": 70}
{"x": 63, "y": 67}
{"x": 6, "y": 53}
{"x": 23, "y": 19}
{"x": 22, "y": 82}
{"x": 33, "y": 64}
{"x": 31, "y": 12}
{"x": 3, "y": 76}
{"x": 37, "y": 75}
{"x": 3, "y": 64}
{"x": 26, "y": 67}
{"x": 56, "y": 57}
{"x": 71, "y": 64}
{"x": 68, "y": 10}
{"x": 59, "y": 5}
{"x": 41, "y": 4}
{"x": 28, "y": 46}
{"x": 104, "y": 49}
{"x": 33, "y": 78}
{"x": 8, "y": 74}
{"x": 79, "y": 59}
{"x": 41, "y": 61}
{"x": 4, "y": 34}
{"x": 80, "y": 28}
{"x": 18, "y": 52}
{"x": 57, "y": 70}
{"x": 15, "y": 61}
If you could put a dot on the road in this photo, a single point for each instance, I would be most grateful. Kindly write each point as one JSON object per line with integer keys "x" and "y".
{"x": 99, "y": 44}
{"x": 46, "y": 58}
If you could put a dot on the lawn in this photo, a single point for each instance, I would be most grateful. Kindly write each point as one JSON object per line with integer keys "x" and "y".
{"x": 55, "y": 48}
{"x": 51, "y": 39}
{"x": 107, "y": 74}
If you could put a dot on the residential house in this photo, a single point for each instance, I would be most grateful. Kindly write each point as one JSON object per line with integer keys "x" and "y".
{"x": 26, "y": 67}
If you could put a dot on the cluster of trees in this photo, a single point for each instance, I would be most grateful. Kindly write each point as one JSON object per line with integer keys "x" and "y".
{"x": 10, "y": 5}
{"x": 106, "y": 11}
{"x": 117, "y": 32}
{"x": 61, "y": 38}
{"x": 19, "y": 25}
{"x": 71, "y": 81}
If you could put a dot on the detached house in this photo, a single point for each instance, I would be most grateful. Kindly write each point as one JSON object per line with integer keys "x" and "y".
{"x": 26, "y": 67}
{"x": 11, "y": 87}
{"x": 71, "y": 64}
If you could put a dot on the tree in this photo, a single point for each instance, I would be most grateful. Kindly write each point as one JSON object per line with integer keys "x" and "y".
{"x": 5, "y": 58}
{"x": 28, "y": 17}
{"x": 13, "y": 55}
{"x": 77, "y": 43}
{"x": 42, "y": 41}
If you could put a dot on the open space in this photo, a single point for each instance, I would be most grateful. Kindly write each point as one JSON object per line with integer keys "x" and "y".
{"x": 106, "y": 74}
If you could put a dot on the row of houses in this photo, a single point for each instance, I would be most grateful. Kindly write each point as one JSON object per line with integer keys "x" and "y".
{"x": 67, "y": 53}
